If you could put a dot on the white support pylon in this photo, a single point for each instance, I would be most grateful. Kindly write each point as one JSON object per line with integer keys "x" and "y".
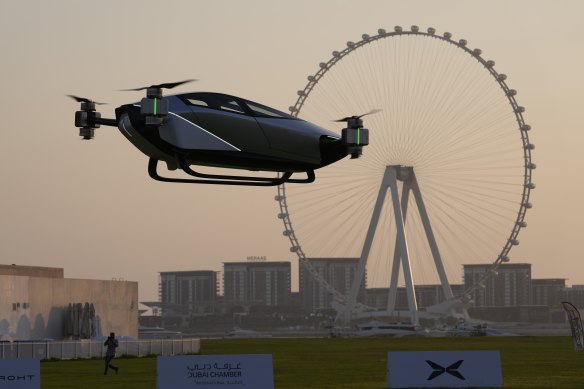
{"x": 401, "y": 253}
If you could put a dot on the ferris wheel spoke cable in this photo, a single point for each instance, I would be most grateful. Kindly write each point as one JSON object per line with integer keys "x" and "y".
{"x": 317, "y": 213}
{"x": 314, "y": 213}
{"x": 477, "y": 223}
{"x": 480, "y": 197}
{"x": 453, "y": 132}
{"x": 487, "y": 198}
{"x": 463, "y": 235}
{"x": 451, "y": 124}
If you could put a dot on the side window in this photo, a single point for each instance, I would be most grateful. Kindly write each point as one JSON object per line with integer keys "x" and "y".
{"x": 214, "y": 101}
{"x": 198, "y": 102}
{"x": 198, "y": 99}
{"x": 231, "y": 105}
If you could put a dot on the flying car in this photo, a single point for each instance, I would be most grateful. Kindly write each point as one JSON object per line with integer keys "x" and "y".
{"x": 219, "y": 130}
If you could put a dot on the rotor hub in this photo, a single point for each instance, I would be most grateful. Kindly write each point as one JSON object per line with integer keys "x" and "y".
{"x": 355, "y": 122}
{"x": 154, "y": 93}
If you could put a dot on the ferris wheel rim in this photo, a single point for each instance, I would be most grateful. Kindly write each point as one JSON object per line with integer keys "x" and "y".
{"x": 500, "y": 78}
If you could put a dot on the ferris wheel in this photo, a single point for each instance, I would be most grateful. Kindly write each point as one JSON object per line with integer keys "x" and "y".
{"x": 445, "y": 180}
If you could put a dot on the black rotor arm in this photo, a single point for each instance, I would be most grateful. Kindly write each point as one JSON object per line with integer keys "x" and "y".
{"x": 106, "y": 122}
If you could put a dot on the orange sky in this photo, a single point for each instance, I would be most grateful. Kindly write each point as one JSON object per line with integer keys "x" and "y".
{"x": 90, "y": 207}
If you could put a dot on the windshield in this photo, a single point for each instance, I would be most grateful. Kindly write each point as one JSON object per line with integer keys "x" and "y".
{"x": 262, "y": 110}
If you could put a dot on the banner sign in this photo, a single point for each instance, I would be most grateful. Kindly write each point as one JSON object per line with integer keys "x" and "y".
{"x": 22, "y": 373}
{"x": 447, "y": 369}
{"x": 576, "y": 325}
{"x": 253, "y": 371}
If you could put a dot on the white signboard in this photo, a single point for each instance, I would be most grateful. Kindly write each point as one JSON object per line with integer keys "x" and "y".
{"x": 252, "y": 371}
{"x": 22, "y": 373}
{"x": 451, "y": 369}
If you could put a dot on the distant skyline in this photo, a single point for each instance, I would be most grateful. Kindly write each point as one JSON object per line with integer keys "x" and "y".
{"x": 91, "y": 208}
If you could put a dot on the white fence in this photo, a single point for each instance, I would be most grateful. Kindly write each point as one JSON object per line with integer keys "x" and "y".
{"x": 95, "y": 349}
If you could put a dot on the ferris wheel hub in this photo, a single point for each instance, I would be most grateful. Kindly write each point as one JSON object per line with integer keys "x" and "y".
{"x": 404, "y": 173}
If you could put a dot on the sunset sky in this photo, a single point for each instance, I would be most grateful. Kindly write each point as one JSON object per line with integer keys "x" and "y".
{"x": 91, "y": 208}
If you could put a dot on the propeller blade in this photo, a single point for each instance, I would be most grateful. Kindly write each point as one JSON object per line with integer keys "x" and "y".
{"x": 168, "y": 85}
{"x": 369, "y": 113}
{"x": 357, "y": 117}
{"x": 84, "y": 100}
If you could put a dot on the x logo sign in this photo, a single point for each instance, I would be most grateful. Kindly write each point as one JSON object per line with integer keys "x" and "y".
{"x": 439, "y": 370}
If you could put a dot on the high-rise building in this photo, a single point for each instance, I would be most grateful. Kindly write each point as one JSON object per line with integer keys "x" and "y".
{"x": 189, "y": 291}
{"x": 547, "y": 291}
{"x": 509, "y": 287}
{"x": 256, "y": 283}
{"x": 574, "y": 295}
{"x": 337, "y": 272}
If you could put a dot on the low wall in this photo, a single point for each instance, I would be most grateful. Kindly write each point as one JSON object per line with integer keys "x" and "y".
{"x": 34, "y": 307}
{"x": 85, "y": 349}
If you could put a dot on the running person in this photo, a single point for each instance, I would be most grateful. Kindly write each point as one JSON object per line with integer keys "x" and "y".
{"x": 111, "y": 344}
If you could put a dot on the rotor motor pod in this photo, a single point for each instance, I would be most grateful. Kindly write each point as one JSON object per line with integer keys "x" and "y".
{"x": 86, "y": 120}
{"x": 154, "y": 107}
{"x": 355, "y": 137}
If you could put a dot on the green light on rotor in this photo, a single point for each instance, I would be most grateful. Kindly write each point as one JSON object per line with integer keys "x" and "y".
{"x": 155, "y": 104}
{"x": 358, "y": 136}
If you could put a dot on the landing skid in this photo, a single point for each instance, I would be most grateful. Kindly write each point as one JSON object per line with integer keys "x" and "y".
{"x": 217, "y": 179}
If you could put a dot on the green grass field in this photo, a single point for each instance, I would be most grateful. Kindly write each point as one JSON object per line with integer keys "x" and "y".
{"x": 527, "y": 362}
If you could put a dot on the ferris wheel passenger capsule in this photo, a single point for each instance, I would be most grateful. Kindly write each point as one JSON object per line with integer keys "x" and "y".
{"x": 526, "y": 127}
{"x": 287, "y": 232}
{"x": 515, "y": 242}
{"x": 462, "y": 42}
{"x": 520, "y": 109}
{"x": 477, "y": 52}
{"x": 381, "y": 32}
{"x": 294, "y": 249}
{"x": 490, "y": 63}
{"x": 531, "y": 166}
{"x": 350, "y": 44}
{"x": 397, "y": 29}
{"x": 447, "y": 35}
{"x": 336, "y": 54}
{"x": 282, "y": 215}
{"x": 502, "y": 77}
{"x": 528, "y": 205}
{"x": 511, "y": 92}
{"x": 431, "y": 30}
{"x": 322, "y": 65}
{"x": 505, "y": 258}
{"x": 292, "y": 109}
{"x": 300, "y": 93}
{"x": 415, "y": 28}
{"x": 365, "y": 37}
{"x": 522, "y": 223}
{"x": 531, "y": 185}
{"x": 530, "y": 146}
